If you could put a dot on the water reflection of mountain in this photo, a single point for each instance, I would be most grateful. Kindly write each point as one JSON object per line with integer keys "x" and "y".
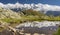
{"x": 35, "y": 28}
{"x": 45, "y": 27}
{"x": 42, "y": 30}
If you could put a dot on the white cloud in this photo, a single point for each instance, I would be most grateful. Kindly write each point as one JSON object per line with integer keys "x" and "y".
{"x": 37, "y": 7}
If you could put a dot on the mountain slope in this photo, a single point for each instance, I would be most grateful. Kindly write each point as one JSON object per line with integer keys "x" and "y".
{"x": 4, "y": 13}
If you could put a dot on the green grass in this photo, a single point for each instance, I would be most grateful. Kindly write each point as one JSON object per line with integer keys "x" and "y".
{"x": 58, "y": 32}
{"x": 29, "y": 18}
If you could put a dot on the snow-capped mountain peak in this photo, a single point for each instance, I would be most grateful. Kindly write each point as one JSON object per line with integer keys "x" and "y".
{"x": 37, "y": 7}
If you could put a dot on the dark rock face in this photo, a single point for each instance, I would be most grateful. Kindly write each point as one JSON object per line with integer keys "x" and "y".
{"x": 16, "y": 9}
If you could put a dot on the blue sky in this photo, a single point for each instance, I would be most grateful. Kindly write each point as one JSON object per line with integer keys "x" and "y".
{"x": 51, "y": 2}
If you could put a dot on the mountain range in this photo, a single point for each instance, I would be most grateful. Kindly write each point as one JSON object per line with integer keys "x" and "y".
{"x": 44, "y": 8}
{"x": 54, "y": 13}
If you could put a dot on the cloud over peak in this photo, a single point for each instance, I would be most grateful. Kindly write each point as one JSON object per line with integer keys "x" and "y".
{"x": 37, "y": 7}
